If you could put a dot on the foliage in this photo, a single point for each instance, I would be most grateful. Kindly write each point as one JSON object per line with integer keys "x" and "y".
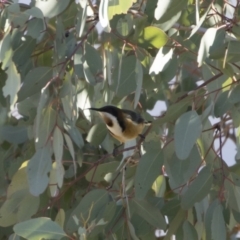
{"x": 59, "y": 177}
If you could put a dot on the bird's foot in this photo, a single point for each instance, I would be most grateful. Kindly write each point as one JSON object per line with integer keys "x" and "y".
{"x": 115, "y": 150}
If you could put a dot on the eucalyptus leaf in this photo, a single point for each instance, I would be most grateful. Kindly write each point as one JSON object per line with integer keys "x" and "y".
{"x": 36, "y": 79}
{"x": 38, "y": 228}
{"x": 149, "y": 168}
{"x": 12, "y": 84}
{"x": 51, "y": 8}
{"x": 90, "y": 207}
{"x": 118, "y": 7}
{"x": 187, "y": 130}
{"x": 151, "y": 214}
{"x": 14, "y": 134}
{"x": 152, "y": 37}
{"x": 97, "y": 134}
{"x": 218, "y": 224}
{"x": 37, "y": 170}
{"x": 189, "y": 231}
{"x": 198, "y": 189}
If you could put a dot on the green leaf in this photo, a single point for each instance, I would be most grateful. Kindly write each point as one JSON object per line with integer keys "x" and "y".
{"x": 34, "y": 81}
{"x": 118, "y": 7}
{"x": 171, "y": 207}
{"x": 35, "y": 12}
{"x": 218, "y": 224}
{"x": 53, "y": 182}
{"x": 6, "y": 51}
{"x": 45, "y": 127}
{"x": 16, "y": 17}
{"x": 161, "y": 60}
{"x": 235, "y": 178}
{"x": 16, "y": 208}
{"x": 93, "y": 59}
{"x": 98, "y": 174}
{"x": 81, "y": 18}
{"x": 175, "y": 224}
{"x": 58, "y": 144}
{"x": 159, "y": 186}
{"x": 14, "y": 134}
{"x": 51, "y": 8}
{"x": 199, "y": 24}
{"x": 124, "y": 24}
{"x": 70, "y": 146}
{"x": 212, "y": 45}
{"x": 103, "y": 15}
{"x": 132, "y": 231}
{"x": 198, "y": 189}
{"x": 39, "y": 228}
{"x": 149, "y": 168}
{"x": 58, "y": 152}
{"x": 38, "y": 168}
{"x": 91, "y": 207}
{"x": 152, "y": 37}
{"x": 90, "y": 78}
{"x": 180, "y": 171}
{"x": 60, "y": 218}
{"x": 234, "y": 95}
{"x": 150, "y": 213}
{"x": 97, "y": 134}
{"x": 222, "y": 105}
{"x": 209, "y": 217}
{"x": 35, "y": 27}
{"x": 60, "y": 41}
{"x": 126, "y": 75}
{"x": 187, "y": 129}
{"x": 232, "y": 195}
{"x": 167, "y": 9}
{"x": 74, "y": 133}
{"x": 24, "y": 51}
{"x": 12, "y": 84}
{"x": 189, "y": 231}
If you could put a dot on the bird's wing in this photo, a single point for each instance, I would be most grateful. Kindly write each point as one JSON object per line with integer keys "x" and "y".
{"x": 135, "y": 117}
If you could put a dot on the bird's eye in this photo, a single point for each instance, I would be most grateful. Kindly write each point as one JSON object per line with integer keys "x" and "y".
{"x": 109, "y": 123}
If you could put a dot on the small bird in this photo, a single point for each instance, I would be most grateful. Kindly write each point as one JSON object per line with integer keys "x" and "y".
{"x": 122, "y": 124}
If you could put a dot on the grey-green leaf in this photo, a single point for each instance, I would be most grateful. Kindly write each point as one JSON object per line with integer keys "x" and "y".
{"x": 97, "y": 134}
{"x": 38, "y": 168}
{"x": 198, "y": 189}
{"x": 149, "y": 168}
{"x": 34, "y": 81}
{"x": 218, "y": 224}
{"x": 187, "y": 129}
{"x": 51, "y": 8}
{"x": 14, "y": 134}
{"x": 39, "y": 228}
{"x": 150, "y": 213}
{"x": 189, "y": 231}
{"x": 12, "y": 84}
{"x": 91, "y": 206}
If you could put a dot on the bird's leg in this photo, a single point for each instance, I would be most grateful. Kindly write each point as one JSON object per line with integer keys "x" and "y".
{"x": 142, "y": 137}
{"x": 115, "y": 150}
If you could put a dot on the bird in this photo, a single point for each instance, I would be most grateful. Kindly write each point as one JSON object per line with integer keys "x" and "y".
{"x": 123, "y": 124}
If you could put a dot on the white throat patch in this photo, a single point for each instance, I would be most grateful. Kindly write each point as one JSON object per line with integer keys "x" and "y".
{"x": 115, "y": 129}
